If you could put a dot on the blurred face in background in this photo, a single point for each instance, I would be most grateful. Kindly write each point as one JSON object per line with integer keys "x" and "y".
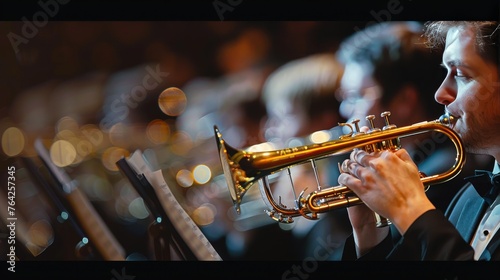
{"x": 285, "y": 121}
{"x": 359, "y": 94}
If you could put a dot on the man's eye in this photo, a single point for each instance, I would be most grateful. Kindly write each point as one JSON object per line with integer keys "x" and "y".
{"x": 460, "y": 75}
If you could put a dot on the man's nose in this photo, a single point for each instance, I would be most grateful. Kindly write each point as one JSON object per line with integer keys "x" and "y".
{"x": 445, "y": 94}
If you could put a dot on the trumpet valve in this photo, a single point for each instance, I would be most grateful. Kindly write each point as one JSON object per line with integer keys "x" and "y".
{"x": 358, "y": 131}
{"x": 386, "y": 116}
{"x": 375, "y": 146}
{"x": 391, "y": 144}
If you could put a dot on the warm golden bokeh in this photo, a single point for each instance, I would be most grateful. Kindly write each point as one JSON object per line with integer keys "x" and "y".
{"x": 13, "y": 141}
{"x": 172, "y": 101}
{"x": 62, "y": 153}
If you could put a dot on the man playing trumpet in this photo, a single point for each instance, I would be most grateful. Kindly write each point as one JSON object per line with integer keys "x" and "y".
{"x": 388, "y": 182}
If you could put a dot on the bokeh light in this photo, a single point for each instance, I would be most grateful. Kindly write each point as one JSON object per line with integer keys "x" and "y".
{"x": 111, "y": 156}
{"x": 184, "y": 178}
{"x": 13, "y": 141}
{"x": 181, "y": 143}
{"x": 204, "y": 215}
{"x": 62, "y": 153}
{"x": 319, "y": 136}
{"x": 92, "y": 133}
{"x": 158, "y": 131}
{"x": 84, "y": 148}
{"x": 66, "y": 123}
{"x": 295, "y": 142}
{"x": 266, "y": 146}
{"x": 202, "y": 174}
{"x": 172, "y": 101}
{"x": 41, "y": 233}
{"x": 138, "y": 209}
{"x": 40, "y": 236}
{"x": 119, "y": 135}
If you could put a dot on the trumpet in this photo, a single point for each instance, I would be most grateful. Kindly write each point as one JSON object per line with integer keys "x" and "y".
{"x": 243, "y": 168}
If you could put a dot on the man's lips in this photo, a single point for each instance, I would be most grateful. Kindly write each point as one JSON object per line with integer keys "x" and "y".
{"x": 456, "y": 115}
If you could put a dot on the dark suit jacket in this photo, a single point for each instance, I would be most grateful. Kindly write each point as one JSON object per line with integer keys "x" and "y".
{"x": 436, "y": 236}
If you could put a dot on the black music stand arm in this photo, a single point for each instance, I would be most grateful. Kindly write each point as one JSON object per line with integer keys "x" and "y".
{"x": 161, "y": 244}
{"x": 162, "y": 231}
{"x": 83, "y": 250}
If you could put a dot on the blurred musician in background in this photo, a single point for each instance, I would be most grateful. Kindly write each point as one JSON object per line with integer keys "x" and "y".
{"x": 300, "y": 99}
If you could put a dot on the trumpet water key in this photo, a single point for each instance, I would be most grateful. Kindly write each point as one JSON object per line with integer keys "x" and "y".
{"x": 242, "y": 168}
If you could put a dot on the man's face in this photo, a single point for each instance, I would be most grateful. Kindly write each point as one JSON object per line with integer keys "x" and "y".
{"x": 471, "y": 93}
{"x": 359, "y": 94}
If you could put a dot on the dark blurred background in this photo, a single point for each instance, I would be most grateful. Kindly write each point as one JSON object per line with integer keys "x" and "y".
{"x": 93, "y": 92}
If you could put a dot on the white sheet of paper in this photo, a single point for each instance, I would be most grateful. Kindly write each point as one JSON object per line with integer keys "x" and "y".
{"x": 186, "y": 227}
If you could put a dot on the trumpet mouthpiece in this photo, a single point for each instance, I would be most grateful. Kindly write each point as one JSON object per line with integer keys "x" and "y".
{"x": 447, "y": 119}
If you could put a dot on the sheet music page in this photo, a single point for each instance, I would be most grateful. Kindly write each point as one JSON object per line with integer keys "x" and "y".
{"x": 186, "y": 227}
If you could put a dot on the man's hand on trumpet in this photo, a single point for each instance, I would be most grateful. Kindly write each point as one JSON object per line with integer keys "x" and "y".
{"x": 388, "y": 182}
